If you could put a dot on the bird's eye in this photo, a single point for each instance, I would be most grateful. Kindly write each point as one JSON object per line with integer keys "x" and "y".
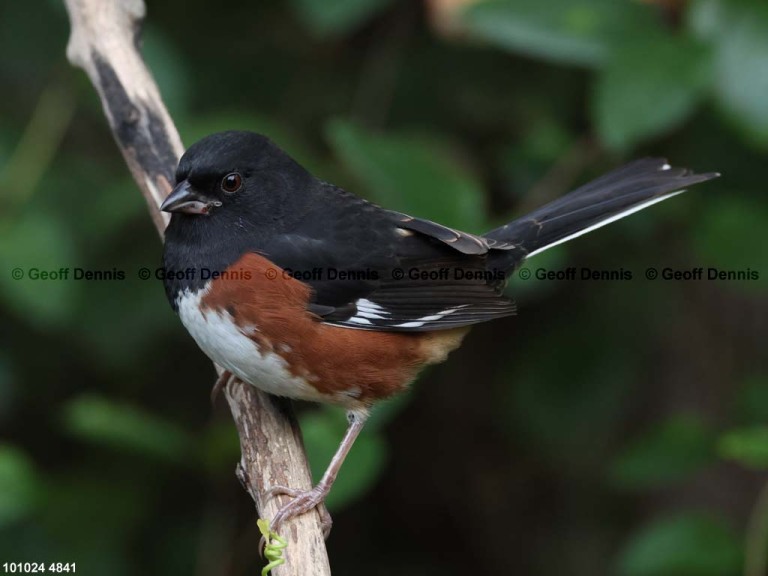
{"x": 231, "y": 183}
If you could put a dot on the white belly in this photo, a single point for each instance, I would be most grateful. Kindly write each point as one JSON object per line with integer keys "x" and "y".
{"x": 225, "y": 343}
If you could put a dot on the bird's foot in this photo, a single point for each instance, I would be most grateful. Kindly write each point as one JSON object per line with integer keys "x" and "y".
{"x": 302, "y": 501}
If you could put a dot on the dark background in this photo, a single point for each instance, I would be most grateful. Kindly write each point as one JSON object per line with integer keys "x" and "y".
{"x": 612, "y": 427}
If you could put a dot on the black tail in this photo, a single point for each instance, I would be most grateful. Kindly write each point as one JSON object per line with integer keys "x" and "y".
{"x": 611, "y": 197}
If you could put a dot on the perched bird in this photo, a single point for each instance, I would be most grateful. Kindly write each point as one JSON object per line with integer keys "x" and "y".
{"x": 307, "y": 291}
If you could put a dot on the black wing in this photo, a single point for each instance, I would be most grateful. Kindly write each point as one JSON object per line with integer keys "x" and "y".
{"x": 399, "y": 273}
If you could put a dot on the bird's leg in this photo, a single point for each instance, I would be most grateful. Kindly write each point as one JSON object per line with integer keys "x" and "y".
{"x": 304, "y": 501}
{"x": 221, "y": 382}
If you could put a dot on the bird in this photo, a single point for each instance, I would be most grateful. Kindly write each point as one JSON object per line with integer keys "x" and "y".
{"x": 307, "y": 291}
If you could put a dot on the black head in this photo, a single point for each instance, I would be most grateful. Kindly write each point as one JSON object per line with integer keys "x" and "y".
{"x": 235, "y": 175}
{"x": 234, "y": 192}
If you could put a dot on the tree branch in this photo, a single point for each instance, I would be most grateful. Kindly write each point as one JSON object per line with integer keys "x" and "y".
{"x": 105, "y": 42}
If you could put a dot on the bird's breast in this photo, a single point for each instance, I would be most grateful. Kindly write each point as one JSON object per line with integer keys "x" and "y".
{"x": 255, "y": 323}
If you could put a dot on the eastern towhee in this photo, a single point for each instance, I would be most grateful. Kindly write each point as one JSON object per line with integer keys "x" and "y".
{"x": 307, "y": 291}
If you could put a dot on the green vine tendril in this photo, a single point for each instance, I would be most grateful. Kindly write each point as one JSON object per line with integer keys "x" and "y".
{"x": 273, "y": 549}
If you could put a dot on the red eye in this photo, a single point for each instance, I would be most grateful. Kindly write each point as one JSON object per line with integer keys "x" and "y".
{"x": 231, "y": 182}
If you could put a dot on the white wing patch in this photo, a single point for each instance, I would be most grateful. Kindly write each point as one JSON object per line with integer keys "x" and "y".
{"x": 370, "y": 313}
{"x": 419, "y": 322}
{"x": 361, "y": 321}
{"x": 368, "y": 309}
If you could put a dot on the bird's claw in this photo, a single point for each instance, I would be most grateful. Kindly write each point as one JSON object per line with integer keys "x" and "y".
{"x": 302, "y": 501}
{"x": 282, "y": 491}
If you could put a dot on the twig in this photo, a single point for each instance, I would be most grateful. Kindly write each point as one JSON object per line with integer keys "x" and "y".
{"x": 105, "y": 42}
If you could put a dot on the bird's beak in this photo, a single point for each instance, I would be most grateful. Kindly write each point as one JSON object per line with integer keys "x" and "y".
{"x": 185, "y": 199}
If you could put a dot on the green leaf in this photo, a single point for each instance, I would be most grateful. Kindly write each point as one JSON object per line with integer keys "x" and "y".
{"x": 38, "y": 244}
{"x": 649, "y": 87}
{"x": 528, "y": 284}
{"x": 705, "y": 18}
{"x": 580, "y": 32}
{"x": 219, "y": 447}
{"x": 669, "y": 452}
{"x": 263, "y": 526}
{"x": 8, "y": 385}
{"x": 414, "y": 174}
{"x": 386, "y": 411}
{"x": 103, "y": 421}
{"x": 742, "y": 81}
{"x": 742, "y": 222}
{"x": 337, "y": 17}
{"x": 323, "y": 431}
{"x": 117, "y": 318}
{"x": 690, "y": 544}
{"x": 739, "y": 31}
{"x": 752, "y": 400}
{"x": 20, "y": 489}
{"x": 106, "y": 214}
{"x": 569, "y": 425}
{"x": 93, "y": 510}
{"x": 169, "y": 68}
{"x": 747, "y": 446}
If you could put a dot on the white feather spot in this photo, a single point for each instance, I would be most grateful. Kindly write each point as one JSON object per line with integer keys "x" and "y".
{"x": 431, "y": 318}
{"x": 369, "y": 310}
{"x": 409, "y": 325}
{"x": 365, "y": 303}
{"x": 371, "y": 315}
{"x": 361, "y": 321}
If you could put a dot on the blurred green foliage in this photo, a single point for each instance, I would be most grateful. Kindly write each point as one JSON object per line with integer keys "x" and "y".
{"x": 396, "y": 169}
{"x": 19, "y": 485}
{"x": 611, "y": 428}
{"x": 102, "y": 421}
{"x": 671, "y": 452}
{"x": 687, "y": 544}
{"x": 329, "y": 17}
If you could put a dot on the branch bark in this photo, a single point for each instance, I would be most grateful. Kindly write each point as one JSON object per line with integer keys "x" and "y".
{"x": 105, "y": 42}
